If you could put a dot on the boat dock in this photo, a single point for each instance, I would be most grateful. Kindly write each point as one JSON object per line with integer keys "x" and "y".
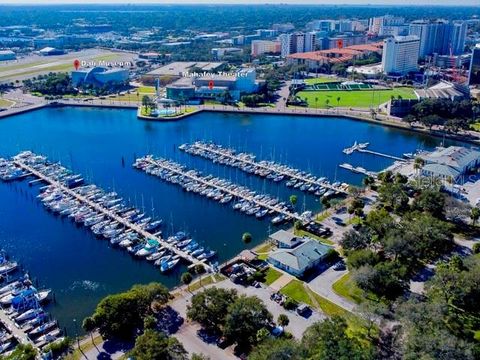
{"x": 261, "y": 168}
{"x": 358, "y": 170}
{"x": 242, "y": 193}
{"x": 363, "y": 149}
{"x": 110, "y": 214}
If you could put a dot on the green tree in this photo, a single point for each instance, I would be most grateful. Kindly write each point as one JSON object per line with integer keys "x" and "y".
{"x": 431, "y": 201}
{"x": 247, "y": 238}
{"x": 283, "y": 320}
{"x": 293, "y": 199}
{"x": 120, "y": 315}
{"x": 22, "y": 352}
{"x": 278, "y": 349}
{"x": 329, "y": 340}
{"x": 359, "y": 258}
{"x": 353, "y": 240}
{"x": 154, "y": 345}
{"x": 475, "y": 215}
{"x": 380, "y": 222}
{"x": 186, "y": 279}
{"x": 88, "y": 325}
{"x": 209, "y": 307}
{"x": 244, "y": 318}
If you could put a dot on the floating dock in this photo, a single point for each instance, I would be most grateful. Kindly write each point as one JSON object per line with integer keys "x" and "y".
{"x": 111, "y": 215}
{"x": 363, "y": 149}
{"x": 215, "y": 183}
{"x": 204, "y": 150}
{"x": 358, "y": 170}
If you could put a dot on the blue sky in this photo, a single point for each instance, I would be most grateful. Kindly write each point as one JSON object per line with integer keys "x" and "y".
{"x": 362, "y": 2}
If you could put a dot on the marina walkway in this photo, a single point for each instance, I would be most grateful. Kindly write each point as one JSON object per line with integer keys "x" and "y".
{"x": 16, "y": 332}
{"x": 285, "y": 172}
{"x": 111, "y": 215}
{"x": 234, "y": 193}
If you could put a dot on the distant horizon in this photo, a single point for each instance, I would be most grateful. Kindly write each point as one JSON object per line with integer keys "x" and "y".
{"x": 469, "y": 3}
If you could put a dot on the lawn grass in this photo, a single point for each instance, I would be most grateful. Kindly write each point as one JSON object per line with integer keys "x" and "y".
{"x": 295, "y": 290}
{"x": 5, "y": 103}
{"x": 272, "y": 275}
{"x": 146, "y": 89}
{"x": 346, "y": 288}
{"x": 76, "y": 354}
{"x": 204, "y": 281}
{"x": 321, "y": 80}
{"x": 360, "y": 98}
{"x": 324, "y": 215}
{"x": 264, "y": 248}
{"x": 475, "y": 126}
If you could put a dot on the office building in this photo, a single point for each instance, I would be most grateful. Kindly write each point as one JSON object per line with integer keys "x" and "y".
{"x": 474, "y": 75}
{"x": 400, "y": 55}
{"x": 282, "y": 28}
{"x": 297, "y": 43}
{"x": 260, "y": 47}
{"x": 99, "y": 76}
{"x": 6, "y": 55}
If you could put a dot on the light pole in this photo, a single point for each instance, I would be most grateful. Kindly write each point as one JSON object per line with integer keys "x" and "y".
{"x": 76, "y": 333}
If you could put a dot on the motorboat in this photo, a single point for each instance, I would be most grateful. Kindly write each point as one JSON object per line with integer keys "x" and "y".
{"x": 168, "y": 265}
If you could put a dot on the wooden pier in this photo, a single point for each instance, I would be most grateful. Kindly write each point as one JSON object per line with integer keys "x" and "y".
{"x": 278, "y": 170}
{"x": 112, "y": 215}
{"x": 234, "y": 193}
{"x": 380, "y": 154}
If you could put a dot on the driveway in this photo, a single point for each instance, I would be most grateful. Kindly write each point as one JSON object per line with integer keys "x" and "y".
{"x": 322, "y": 285}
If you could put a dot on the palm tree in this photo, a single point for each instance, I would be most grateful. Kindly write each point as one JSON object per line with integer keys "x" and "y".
{"x": 338, "y": 100}
{"x": 293, "y": 199}
{"x": 327, "y": 102}
{"x": 283, "y": 320}
{"x": 89, "y": 325}
{"x": 316, "y": 101}
{"x": 475, "y": 215}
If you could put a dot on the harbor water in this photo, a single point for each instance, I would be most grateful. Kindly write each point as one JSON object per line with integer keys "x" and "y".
{"x": 102, "y": 144}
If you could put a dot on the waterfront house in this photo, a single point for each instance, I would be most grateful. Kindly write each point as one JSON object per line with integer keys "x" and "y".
{"x": 305, "y": 256}
{"x": 450, "y": 163}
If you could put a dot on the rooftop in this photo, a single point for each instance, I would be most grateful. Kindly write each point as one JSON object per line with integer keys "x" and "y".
{"x": 301, "y": 257}
{"x": 456, "y": 157}
{"x": 179, "y": 67}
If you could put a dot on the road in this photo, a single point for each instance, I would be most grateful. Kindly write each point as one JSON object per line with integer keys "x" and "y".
{"x": 322, "y": 285}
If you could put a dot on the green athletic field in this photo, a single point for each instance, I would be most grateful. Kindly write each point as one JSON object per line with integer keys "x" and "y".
{"x": 359, "y": 98}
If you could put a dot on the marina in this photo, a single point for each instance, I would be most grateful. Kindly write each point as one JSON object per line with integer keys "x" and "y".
{"x": 221, "y": 190}
{"x": 104, "y": 213}
{"x": 23, "y": 317}
{"x": 81, "y": 268}
{"x": 267, "y": 169}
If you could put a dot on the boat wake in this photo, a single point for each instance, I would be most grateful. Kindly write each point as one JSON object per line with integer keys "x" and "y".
{"x": 85, "y": 285}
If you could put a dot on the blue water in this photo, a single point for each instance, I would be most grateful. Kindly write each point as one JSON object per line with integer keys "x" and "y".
{"x": 102, "y": 143}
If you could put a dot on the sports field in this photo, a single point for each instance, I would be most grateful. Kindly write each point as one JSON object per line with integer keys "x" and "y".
{"x": 359, "y": 98}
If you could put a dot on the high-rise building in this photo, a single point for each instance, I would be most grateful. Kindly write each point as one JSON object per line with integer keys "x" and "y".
{"x": 297, "y": 43}
{"x": 439, "y": 37}
{"x": 400, "y": 55}
{"x": 474, "y": 75}
{"x": 382, "y": 26}
{"x": 458, "y": 37}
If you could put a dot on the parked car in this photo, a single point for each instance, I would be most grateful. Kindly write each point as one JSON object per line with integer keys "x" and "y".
{"x": 339, "y": 266}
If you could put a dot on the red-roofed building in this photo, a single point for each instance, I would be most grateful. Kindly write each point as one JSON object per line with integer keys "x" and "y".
{"x": 315, "y": 59}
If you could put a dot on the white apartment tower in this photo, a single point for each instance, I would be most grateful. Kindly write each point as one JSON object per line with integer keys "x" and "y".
{"x": 400, "y": 54}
